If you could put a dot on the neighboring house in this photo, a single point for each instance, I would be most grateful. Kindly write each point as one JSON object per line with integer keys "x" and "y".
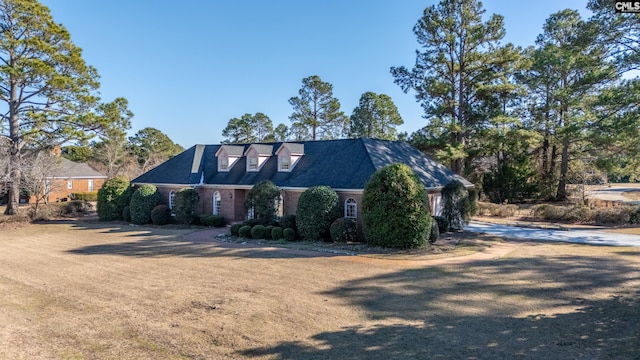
{"x": 223, "y": 174}
{"x": 72, "y": 177}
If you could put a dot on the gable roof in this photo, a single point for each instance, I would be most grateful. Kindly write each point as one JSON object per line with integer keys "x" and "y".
{"x": 68, "y": 169}
{"x": 340, "y": 164}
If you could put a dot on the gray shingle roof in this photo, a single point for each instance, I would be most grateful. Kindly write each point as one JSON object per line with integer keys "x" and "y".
{"x": 340, "y": 164}
{"x": 70, "y": 169}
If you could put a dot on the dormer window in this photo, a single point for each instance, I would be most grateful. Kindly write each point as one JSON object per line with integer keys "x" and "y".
{"x": 257, "y": 155}
{"x": 228, "y": 155}
{"x": 288, "y": 156}
{"x": 253, "y": 163}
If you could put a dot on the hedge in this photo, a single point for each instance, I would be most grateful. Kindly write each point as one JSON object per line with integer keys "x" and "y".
{"x": 317, "y": 208}
{"x": 143, "y": 200}
{"x": 113, "y": 196}
{"x": 84, "y": 196}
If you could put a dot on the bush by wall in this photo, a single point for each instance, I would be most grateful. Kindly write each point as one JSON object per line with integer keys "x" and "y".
{"x": 435, "y": 233}
{"x": 235, "y": 228}
{"x": 143, "y": 200}
{"x": 84, "y": 196}
{"x": 161, "y": 215}
{"x": 212, "y": 220}
{"x": 395, "y": 209}
{"x": 289, "y": 234}
{"x": 113, "y": 196}
{"x": 276, "y": 233}
{"x": 455, "y": 198}
{"x": 288, "y": 221}
{"x": 126, "y": 213}
{"x": 317, "y": 208}
{"x": 262, "y": 198}
{"x": 245, "y": 231}
{"x": 267, "y": 232}
{"x": 184, "y": 205}
{"x": 344, "y": 230}
{"x": 443, "y": 224}
{"x": 257, "y": 232}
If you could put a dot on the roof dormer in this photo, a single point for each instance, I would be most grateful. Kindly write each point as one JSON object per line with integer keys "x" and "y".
{"x": 288, "y": 156}
{"x": 257, "y": 155}
{"x": 228, "y": 155}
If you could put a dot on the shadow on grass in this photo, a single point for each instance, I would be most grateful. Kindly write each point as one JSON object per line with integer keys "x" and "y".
{"x": 483, "y": 310}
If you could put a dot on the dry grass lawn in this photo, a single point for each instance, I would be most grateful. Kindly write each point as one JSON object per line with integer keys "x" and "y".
{"x": 634, "y": 195}
{"x": 82, "y": 290}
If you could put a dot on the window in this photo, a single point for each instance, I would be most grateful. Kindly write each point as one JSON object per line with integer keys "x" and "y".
{"x": 90, "y": 184}
{"x": 253, "y": 163}
{"x": 224, "y": 163}
{"x": 216, "y": 203}
{"x": 278, "y": 206}
{"x": 69, "y": 184}
{"x": 172, "y": 198}
{"x": 285, "y": 163}
{"x": 351, "y": 208}
{"x": 250, "y": 213}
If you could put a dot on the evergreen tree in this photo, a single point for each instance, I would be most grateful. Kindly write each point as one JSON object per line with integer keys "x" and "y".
{"x": 317, "y": 110}
{"x": 376, "y": 116}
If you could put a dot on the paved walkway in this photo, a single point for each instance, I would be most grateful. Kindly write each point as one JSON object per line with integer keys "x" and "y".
{"x": 614, "y": 193}
{"x": 580, "y": 236}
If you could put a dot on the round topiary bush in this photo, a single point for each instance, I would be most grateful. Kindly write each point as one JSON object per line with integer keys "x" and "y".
{"x": 160, "y": 215}
{"x": 245, "y": 231}
{"x": 317, "y": 208}
{"x": 267, "y": 232}
{"x": 289, "y": 234}
{"x": 344, "y": 230}
{"x": 184, "y": 207}
{"x": 257, "y": 232}
{"x": 395, "y": 211}
{"x": 435, "y": 232}
{"x": 288, "y": 221}
{"x": 113, "y": 196}
{"x": 143, "y": 200}
{"x": 276, "y": 233}
{"x": 126, "y": 213}
{"x": 234, "y": 230}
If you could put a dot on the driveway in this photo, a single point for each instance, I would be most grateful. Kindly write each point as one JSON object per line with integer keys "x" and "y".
{"x": 592, "y": 237}
{"x": 614, "y": 193}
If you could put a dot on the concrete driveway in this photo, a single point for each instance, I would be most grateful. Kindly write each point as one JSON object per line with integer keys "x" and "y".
{"x": 614, "y": 193}
{"x": 592, "y": 237}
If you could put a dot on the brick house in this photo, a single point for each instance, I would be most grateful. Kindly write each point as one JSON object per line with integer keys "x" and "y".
{"x": 72, "y": 177}
{"x": 223, "y": 174}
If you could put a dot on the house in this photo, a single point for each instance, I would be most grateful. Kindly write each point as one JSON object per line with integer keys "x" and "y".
{"x": 223, "y": 174}
{"x": 72, "y": 177}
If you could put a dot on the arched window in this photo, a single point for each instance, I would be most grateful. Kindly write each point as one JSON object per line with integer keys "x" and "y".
{"x": 351, "y": 208}
{"x": 216, "y": 203}
{"x": 278, "y": 206}
{"x": 172, "y": 199}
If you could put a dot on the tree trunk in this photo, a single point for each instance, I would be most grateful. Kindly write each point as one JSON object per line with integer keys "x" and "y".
{"x": 564, "y": 169}
{"x": 14, "y": 153}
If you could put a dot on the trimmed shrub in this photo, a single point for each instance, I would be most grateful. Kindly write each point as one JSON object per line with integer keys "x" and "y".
{"x": 267, "y": 232}
{"x": 113, "y": 196}
{"x": 184, "y": 205}
{"x": 289, "y": 221}
{"x": 317, "y": 208}
{"x": 126, "y": 213}
{"x": 75, "y": 208}
{"x": 212, "y": 220}
{"x": 245, "y": 231}
{"x": 289, "y": 234}
{"x": 455, "y": 199}
{"x": 548, "y": 212}
{"x": 276, "y": 233}
{"x": 251, "y": 222}
{"x": 84, "y": 196}
{"x": 395, "y": 209}
{"x": 143, "y": 200}
{"x": 443, "y": 224}
{"x": 160, "y": 215}
{"x": 344, "y": 230}
{"x": 578, "y": 214}
{"x": 262, "y": 198}
{"x": 257, "y": 232}
{"x": 435, "y": 233}
{"x": 235, "y": 229}
{"x": 634, "y": 217}
{"x": 620, "y": 215}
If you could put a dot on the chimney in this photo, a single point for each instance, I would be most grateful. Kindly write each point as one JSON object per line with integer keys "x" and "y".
{"x": 56, "y": 150}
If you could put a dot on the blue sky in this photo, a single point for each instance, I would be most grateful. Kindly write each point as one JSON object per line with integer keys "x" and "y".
{"x": 188, "y": 67}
